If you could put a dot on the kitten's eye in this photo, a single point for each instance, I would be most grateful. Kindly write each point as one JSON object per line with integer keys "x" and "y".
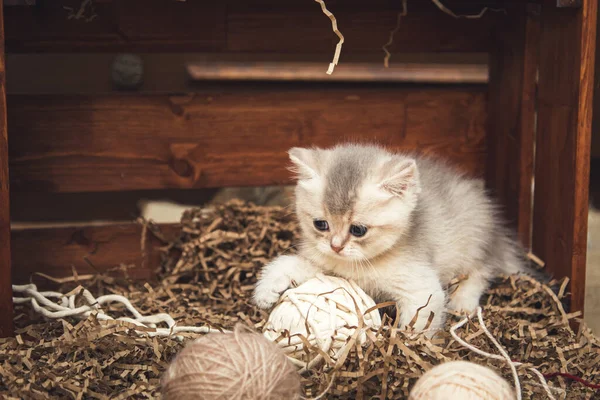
{"x": 321, "y": 225}
{"x": 358, "y": 230}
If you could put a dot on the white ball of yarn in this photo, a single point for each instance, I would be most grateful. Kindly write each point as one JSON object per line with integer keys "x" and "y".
{"x": 328, "y": 306}
{"x": 461, "y": 380}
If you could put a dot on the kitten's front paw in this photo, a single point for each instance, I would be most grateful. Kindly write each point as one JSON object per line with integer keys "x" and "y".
{"x": 464, "y": 303}
{"x": 269, "y": 289}
{"x": 278, "y": 276}
{"x": 466, "y": 298}
{"x": 427, "y": 323}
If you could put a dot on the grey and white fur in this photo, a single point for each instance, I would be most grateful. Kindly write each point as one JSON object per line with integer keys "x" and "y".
{"x": 424, "y": 223}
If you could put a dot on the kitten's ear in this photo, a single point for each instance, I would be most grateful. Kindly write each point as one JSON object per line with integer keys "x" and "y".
{"x": 303, "y": 163}
{"x": 401, "y": 178}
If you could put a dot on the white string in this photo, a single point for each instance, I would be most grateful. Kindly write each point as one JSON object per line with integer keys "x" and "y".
{"x": 65, "y": 307}
{"x": 505, "y": 357}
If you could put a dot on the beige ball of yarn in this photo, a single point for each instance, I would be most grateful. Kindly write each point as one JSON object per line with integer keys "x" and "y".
{"x": 327, "y": 305}
{"x": 461, "y": 380}
{"x": 238, "y": 365}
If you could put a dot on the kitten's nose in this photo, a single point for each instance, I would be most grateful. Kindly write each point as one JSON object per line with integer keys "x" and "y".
{"x": 335, "y": 248}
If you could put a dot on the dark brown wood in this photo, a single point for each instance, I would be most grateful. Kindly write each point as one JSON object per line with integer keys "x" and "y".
{"x": 365, "y": 28}
{"x": 132, "y": 25}
{"x": 595, "y": 145}
{"x": 163, "y": 73}
{"x": 292, "y": 26}
{"x": 566, "y": 81}
{"x": 345, "y": 72}
{"x": 511, "y": 129}
{"x": 6, "y": 306}
{"x": 569, "y": 3}
{"x": 236, "y": 135}
{"x": 57, "y": 251}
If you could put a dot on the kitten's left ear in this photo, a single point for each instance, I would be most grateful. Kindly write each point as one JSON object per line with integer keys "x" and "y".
{"x": 304, "y": 163}
{"x": 402, "y": 178}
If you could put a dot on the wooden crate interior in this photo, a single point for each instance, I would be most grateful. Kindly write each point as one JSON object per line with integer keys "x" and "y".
{"x": 90, "y": 151}
{"x": 78, "y": 143}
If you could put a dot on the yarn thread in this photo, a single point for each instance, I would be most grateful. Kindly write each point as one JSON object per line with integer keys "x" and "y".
{"x": 65, "y": 306}
{"x": 504, "y": 355}
{"x": 461, "y": 380}
{"x": 324, "y": 313}
{"x": 241, "y": 365}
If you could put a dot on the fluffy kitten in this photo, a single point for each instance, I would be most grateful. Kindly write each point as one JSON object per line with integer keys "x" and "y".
{"x": 401, "y": 226}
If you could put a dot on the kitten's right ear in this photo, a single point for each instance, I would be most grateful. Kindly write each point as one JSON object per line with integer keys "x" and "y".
{"x": 303, "y": 163}
{"x": 403, "y": 178}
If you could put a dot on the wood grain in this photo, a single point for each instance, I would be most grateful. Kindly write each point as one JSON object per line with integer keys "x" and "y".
{"x": 234, "y": 135}
{"x": 512, "y": 107}
{"x": 292, "y": 26}
{"x": 59, "y": 251}
{"x": 346, "y": 72}
{"x": 566, "y": 81}
{"x": 131, "y": 25}
{"x": 365, "y": 28}
{"x": 6, "y": 306}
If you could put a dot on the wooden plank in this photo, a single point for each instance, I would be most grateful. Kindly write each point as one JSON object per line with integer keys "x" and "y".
{"x": 346, "y": 72}
{"x": 365, "y": 29}
{"x": 568, "y": 3}
{"x": 513, "y": 68}
{"x": 235, "y": 135}
{"x": 59, "y": 251}
{"x": 297, "y": 26}
{"x": 6, "y": 306}
{"x": 595, "y": 145}
{"x": 566, "y": 81}
{"x": 131, "y": 25}
{"x": 88, "y": 73}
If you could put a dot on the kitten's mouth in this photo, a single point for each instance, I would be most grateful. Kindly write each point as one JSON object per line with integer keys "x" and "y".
{"x": 332, "y": 254}
{"x": 342, "y": 256}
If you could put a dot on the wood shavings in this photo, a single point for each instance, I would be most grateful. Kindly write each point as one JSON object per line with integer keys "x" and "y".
{"x": 539, "y": 262}
{"x": 401, "y": 14}
{"x": 448, "y": 11}
{"x": 338, "y": 47}
{"x": 85, "y": 11}
{"x": 207, "y": 279}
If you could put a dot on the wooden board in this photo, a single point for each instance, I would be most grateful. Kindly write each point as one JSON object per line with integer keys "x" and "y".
{"x": 421, "y": 73}
{"x": 234, "y": 135}
{"x": 512, "y": 106}
{"x": 91, "y": 249}
{"x": 365, "y": 28}
{"x": 566, "y": 82}
{"x": 131, "y": 25}
{"x": 6, "y": 306}
{"x": 595, "y": 146}
{"x": 292, "y": 26}
{"x": 85, "y": 73}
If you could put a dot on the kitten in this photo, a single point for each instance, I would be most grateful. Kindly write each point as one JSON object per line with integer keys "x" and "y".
{"x": 400, "y": 226}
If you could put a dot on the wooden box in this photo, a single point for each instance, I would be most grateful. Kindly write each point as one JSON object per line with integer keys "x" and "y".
{"x": 531, "y": 119}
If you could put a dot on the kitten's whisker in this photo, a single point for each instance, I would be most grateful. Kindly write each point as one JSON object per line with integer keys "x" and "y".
{"x": 284, "y": 251}
{"x": 368, "y": 263}
{"x": 289, "y": 213}
{"x": 311, "y": 253}
{"x": 362, "y": 266}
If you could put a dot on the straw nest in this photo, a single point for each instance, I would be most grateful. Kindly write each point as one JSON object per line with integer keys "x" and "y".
{"x": 207, "y": 278}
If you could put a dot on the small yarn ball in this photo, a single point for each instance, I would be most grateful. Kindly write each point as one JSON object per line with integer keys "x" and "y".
{"x": 238, "y": 365}
{"x": 461, "y": 380}
{"x": 329, "y": 307}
